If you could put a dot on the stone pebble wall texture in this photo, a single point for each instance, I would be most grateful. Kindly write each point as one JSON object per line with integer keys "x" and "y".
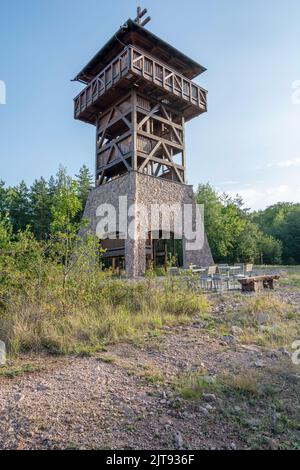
{"x": 146, "y": 190}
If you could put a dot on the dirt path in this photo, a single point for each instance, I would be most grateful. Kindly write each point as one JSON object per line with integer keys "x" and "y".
{"x": 124, "y": 398}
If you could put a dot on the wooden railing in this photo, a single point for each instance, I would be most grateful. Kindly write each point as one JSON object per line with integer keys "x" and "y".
{"x": 117, "y": 69}
{"x": 167, "y": 78}
{"x": 133, "y": 60}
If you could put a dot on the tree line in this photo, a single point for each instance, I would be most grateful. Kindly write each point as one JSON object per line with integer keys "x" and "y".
{"x": 269, "y": 236}
{"x": 40, "y": 207}
{"x": 235, "y": 234}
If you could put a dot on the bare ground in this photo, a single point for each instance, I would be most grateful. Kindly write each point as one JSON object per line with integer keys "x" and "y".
{"x": 128, "y": 397}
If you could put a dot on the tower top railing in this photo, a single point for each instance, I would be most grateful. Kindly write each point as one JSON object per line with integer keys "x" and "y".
{"x": 134, "y": 64}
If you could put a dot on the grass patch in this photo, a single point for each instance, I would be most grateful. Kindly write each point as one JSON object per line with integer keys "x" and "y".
{"x": 265, "y": 320}
{"x": 193, "y": 386}
{"x": 116, "y": 311}
{"x": 107, "y": 359}
{"x": 17, "y": 371}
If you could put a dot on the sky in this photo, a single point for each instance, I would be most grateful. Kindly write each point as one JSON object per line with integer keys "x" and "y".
{"x": 248, "y": 142}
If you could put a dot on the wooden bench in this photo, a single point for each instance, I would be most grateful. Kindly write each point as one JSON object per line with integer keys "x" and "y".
{"x": 257, "y": 283}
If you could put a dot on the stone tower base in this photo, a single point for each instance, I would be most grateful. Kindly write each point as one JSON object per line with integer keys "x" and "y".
{"x": 140, "y": 189}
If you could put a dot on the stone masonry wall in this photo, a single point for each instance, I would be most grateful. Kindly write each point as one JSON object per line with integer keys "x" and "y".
{"x": 146, "y": 190}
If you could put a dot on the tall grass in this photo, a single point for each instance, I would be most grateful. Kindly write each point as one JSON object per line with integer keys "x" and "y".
{"x": 42, "y": 309}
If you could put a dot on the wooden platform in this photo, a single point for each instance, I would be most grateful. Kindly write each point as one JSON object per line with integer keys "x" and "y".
{"x": 257, "y": 283}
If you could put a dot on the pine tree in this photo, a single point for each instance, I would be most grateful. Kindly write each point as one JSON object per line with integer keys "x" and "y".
{"x": 3, "y": 199}
{"x": 41, "y": 203}
{"x": 19, "y": 207}
{"x": 84, "y": 180}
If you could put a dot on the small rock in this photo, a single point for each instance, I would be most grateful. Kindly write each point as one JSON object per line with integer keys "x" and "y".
{"x": 271, "y": 443}
{"x": 178, "y": 440}
{"x": 237, "y": 409}
{"x": 19, "y": 397}
{"x": 272, "y": 354}
{"x": 285, "y": 352}
{"x": 210, "y": 397}
{"x": 203, "y": 410}
{"x": 233, "y": 446}
{"x": 200, "y": 324}
{"x": 209, "y": 407}
{"x": 237, "y": 331}
{"x": 42, "y": 388}
{"x": 229, "y": 339}
{"x": 253, "y": 423}
{"x": 259, "y": 364}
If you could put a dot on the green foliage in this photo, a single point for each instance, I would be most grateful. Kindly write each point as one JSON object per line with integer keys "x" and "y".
{"x": 39, "y": 206}
{"x": 282, "y": 221}
{"x": 41, "y": 202}
{"x": 18, "y": 206}
{"x": 233, "y": 234}
{"x": 84, "y": 183}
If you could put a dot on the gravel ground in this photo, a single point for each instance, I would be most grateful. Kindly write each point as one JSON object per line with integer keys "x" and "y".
{"x": 124, "y": 398}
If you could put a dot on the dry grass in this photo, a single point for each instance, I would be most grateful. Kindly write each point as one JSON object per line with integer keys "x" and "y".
{"x": 119, "y": 311}
{"x": 266, "y": 320}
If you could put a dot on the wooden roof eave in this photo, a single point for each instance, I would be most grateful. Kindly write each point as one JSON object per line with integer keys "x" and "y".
{"x": 98, "y": 62}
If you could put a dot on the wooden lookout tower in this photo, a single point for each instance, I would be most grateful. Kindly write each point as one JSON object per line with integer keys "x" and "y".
{"x": 139, "y": 93}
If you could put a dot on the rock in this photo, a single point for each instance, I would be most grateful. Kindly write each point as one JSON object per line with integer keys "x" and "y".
{"x": 19, "y": 397}
{"x": 209, "y": 407}
{"x": 42, "y": 387}
{"x": 2, "y": 353}
{"x": 259, "y": 364}
{"x": 237, "y": 331}
{"x": 210, "y": 397}
{"x": 200, "y": 324}
{"x": 232, "y": 446}
{"x": 253, "y": 423}
{"x": 203, "y": 410}
{"x": 271, "y": 443}
{"x": 272, "y": 354}
{"x": 285, "y": 352}
{"x": 229, "y": 339}
{"x": 275, "y": 418}
{"x": 178, "y": 440}
{"x": 237, "y": 409}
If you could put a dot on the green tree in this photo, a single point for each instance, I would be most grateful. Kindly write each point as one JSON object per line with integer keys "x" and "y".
{"x": 18, "y": 205}
{"x": 3, "y": 198}
{"x": 281, "y": 221}
{"x": 41, "y": 202}
{"x": 65, "y": 227}
{"x": 270, "y": 249}
{"x": 290, "y": 236}
{"x": 84, "y": 181}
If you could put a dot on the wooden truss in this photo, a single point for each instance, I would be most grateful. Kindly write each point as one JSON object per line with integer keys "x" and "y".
{"x": 140, "y": 134}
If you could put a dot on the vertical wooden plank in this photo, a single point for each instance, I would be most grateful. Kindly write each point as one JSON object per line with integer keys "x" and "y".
{"x": 134, "y": 129}
{"x": 183, "y": 150}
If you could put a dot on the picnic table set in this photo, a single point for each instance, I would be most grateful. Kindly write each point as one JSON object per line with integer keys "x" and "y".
{"x": 224, "y": 276}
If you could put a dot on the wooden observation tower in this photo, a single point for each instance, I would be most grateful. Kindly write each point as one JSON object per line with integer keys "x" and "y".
{"x": 139, "y": 93}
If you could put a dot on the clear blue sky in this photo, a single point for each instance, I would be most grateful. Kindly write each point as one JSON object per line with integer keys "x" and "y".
{"x": 248, "y": 142}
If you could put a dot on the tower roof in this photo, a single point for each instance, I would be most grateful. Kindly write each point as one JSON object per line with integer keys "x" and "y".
{"x": 135, "y": 34}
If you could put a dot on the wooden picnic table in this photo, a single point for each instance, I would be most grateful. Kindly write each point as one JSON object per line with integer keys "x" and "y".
{"x": 257, "y": 283}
